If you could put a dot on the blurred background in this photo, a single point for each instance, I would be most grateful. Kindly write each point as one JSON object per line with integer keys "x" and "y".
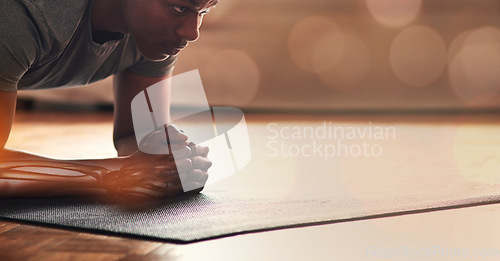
{"x": 338, "y": 55}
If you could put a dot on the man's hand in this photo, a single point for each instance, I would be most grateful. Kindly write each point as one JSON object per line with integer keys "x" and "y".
{"x": 159, "y": 175}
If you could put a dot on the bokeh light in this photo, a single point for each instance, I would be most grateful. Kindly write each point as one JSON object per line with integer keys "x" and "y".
{"x": 394, "y": 13}
{"x": 352, "y": 67}
{"x": 327, "y": 46}
{"x": 474, "y": 69}
{"x": 457, "y": 45}
{"x": 315, "y": 43}
{"x": 418, "y": 56}
{"x": 232, "y": 77}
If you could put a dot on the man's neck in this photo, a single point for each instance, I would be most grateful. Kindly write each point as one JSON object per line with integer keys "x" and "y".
{"x": 107, "y": 16}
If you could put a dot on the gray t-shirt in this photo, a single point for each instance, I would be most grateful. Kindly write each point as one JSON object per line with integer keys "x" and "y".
{"x": 48, "y": 43}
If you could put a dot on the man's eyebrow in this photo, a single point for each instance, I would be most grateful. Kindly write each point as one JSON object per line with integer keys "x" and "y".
{"x": 197, "y": 3}
{"x": 213, "y": 2}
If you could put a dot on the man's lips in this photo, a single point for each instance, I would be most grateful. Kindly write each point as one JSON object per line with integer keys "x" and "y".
{"x": 173, "y": 46}
{"x": 180, "y": 47}
{"x": 173, "y": 49}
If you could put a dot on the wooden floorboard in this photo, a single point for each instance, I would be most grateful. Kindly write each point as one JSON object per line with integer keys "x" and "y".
{"x": 27, "y": 242}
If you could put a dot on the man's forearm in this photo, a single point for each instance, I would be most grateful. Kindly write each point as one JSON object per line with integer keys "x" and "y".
{"x": 135, "y": 177}
{"x": 28, "y": 175}
{"x": 126, "y": 145}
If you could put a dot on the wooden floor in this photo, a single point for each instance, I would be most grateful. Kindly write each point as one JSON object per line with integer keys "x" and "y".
{"x": 25, "y": 242}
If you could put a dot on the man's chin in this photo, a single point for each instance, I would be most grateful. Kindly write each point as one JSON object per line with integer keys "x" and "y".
{"x": 158, "y": 57}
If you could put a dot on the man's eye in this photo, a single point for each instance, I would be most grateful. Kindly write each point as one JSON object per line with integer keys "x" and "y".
{"x": 180, "y": 9}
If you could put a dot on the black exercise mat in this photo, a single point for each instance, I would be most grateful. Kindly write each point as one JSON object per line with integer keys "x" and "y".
{"x": 211, "y": 215}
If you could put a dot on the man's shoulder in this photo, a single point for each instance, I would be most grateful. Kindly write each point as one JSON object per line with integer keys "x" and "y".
{"x": 58, "y": 18}
{"x": 60, "y": 8}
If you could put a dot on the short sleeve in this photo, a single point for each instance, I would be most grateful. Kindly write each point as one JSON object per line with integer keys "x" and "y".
{"x": 150, "y": 68}
{"x": 18, "y": 43}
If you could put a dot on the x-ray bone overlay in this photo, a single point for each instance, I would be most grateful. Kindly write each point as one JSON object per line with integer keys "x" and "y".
{"x": 222, "y": 129}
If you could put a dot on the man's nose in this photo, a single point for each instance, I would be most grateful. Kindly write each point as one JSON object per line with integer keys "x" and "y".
{"x": 190, "y": 29}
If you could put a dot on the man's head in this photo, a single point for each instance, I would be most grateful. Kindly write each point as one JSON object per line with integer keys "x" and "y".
{"x": 163, "y": 27}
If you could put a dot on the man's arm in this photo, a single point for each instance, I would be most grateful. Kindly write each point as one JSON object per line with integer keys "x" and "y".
{"x": 120, "y": 176}
{"x": 14, "y": 182}
{"x": 135, "y": 176}
{"x": 7, "y": 109}
{"x": 126, "y": 86}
